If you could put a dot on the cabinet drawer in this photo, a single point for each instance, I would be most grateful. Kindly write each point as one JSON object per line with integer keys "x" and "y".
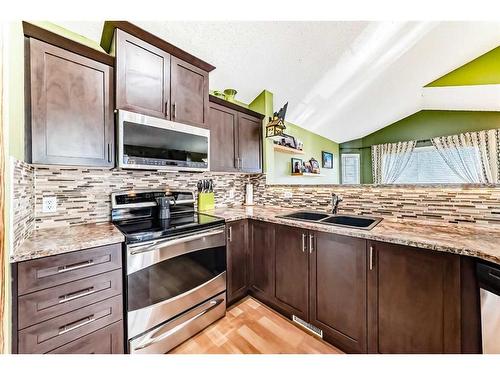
{"x": 48, "y": 303}
{"x": 53, "y": 333}
{"x": 108, "y": 340}
{"x": 47, "y": 272}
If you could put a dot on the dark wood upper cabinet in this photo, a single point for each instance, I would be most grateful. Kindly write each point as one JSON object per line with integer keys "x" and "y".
{"x": 189, "y": 93}
{"x": 292, "y": 270}
{"x": 338, "y": 290}
{"x": 262, "y": 260}
{"x": 235, "y": 137}
{"x": 223, "y": 124}
{"x": 237, "y": 260}
{"x": 249, "y": 143}
{"x": 413, "y": 300}
{"x": 71, "y": 108}
{"x": 142, "y": 76}
{"x": 154, "y": 82}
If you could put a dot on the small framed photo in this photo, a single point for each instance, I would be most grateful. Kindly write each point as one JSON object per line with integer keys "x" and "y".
{"x": 296, "y": 166}
{"x": 327, "y": 159}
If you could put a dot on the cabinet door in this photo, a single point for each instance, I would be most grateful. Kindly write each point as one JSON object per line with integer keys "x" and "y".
{"x": 414, "y": 300}
{"x": 237, "y": 260}
{"x": 189, "y": 93}
{"x": 249, "y": 143}
{"x": 142, "y": 76}
{"x": 292, "y": 270}
{"x": 262, "y": 260}
{"x": 222, "y": 124}
{"x": 71, "y": 108}
{"x": 108, "y": 340}
{"x": 338, "y": 290}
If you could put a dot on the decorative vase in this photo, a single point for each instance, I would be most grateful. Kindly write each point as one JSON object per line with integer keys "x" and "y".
{"x": 230, "y": 94}
{"x": 219, "y": 94}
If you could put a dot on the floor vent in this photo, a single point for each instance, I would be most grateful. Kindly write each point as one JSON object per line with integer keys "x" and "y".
{"x": 308, "y": 326}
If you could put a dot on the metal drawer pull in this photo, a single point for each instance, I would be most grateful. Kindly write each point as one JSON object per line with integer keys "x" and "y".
{"x": 75, "y": 266}
{"x": 370, "y": 256}
{"x": 79, "y": 323}
{"x": 230, "y": 234}
{"x": 311, "y": 244}
{"x": 81, "y": 293}
{"x": 303, "y": 242}
{"x": 151, "y": 339}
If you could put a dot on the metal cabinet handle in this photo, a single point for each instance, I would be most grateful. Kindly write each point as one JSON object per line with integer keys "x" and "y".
{"x": 75, "y": 266}
{"x": 303, "y": 242}
{"x": 81, "y": 293}
{"x": 311, "y": 243}
{"x": 174, "y": 110}
{"x": 167, "y": 107}
{"x": 370, "y": 258}
{"x": 109, "y": 153}
{"x": 79, "y": 323}
{"x": 230, "y": 234}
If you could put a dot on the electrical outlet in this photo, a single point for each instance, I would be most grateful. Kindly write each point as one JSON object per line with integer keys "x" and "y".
{"x": 231, "y": 194}
{"x": 49, "y": 204}
{"x": 287, "y": 194}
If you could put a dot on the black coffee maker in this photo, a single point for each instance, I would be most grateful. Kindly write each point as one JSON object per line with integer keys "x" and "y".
{"x": 164, "y": 207}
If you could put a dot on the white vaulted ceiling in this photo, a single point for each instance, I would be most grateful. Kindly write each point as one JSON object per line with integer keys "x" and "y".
{"x": 342, "y": 79}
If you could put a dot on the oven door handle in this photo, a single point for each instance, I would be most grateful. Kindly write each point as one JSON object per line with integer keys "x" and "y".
{"x": 175, "y": 241}
{"x": 152, "y": 338}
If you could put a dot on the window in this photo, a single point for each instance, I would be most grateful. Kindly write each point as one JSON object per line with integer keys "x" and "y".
{"x": 350, "y": 169}
{"x": 427, "y": 166}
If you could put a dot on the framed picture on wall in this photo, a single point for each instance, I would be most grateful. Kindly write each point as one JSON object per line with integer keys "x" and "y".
{"x": 327, "y": 158}
{"x": 296, "y": 166}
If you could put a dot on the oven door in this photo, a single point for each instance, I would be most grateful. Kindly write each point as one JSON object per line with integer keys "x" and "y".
{"x": 146, "y": 142}
{"x": 170, "y": 276}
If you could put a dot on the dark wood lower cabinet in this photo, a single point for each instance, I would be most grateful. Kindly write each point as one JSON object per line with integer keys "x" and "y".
{"x": 262, "y": 260}
{"x": 292, "y": 270}
{"x": 69, "y": 303}
{"x": 108, "y": 340}
{"x": 237, "y": 260}
{"x": 413, "y": 300}
{"x": 338, "y": 290}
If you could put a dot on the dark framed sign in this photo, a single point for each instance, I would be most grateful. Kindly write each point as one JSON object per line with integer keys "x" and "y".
{"x": 327, "y": 158}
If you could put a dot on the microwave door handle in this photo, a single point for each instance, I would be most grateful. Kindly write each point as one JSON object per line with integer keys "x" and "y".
{"x": 171, "y": 242}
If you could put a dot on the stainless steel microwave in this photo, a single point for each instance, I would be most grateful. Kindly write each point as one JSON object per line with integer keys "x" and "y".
{"x": 146, "y": 142}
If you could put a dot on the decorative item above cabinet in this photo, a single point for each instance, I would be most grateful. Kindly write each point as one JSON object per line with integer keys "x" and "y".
{"x": 69, "y": 101}
{"x": 156, "y": 78}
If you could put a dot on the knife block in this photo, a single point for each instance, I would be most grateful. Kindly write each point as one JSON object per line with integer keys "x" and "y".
{"x": 206, "y": 201}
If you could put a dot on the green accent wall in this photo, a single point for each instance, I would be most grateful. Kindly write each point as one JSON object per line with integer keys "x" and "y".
{"x": 484, "y": 70}
{"x": 277, "y": 166}
{"x": 422, "y": 125}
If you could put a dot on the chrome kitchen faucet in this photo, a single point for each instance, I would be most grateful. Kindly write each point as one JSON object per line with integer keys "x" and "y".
{"x": 335, "y": 203}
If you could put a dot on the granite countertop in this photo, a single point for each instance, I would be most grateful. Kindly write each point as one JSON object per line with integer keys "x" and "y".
{"x": 475, "y": 240}
{"x": 464, "y": 239}
{"x": 46, "y": 242}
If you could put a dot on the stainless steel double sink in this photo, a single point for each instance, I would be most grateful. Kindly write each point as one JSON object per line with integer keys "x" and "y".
{"x": 348, "y": 221}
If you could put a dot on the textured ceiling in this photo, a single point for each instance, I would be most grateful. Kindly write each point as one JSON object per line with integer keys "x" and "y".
{"x": 342, "y": 80}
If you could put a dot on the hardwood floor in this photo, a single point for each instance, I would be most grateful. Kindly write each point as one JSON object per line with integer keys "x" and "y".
{"x": 249, "y": 327}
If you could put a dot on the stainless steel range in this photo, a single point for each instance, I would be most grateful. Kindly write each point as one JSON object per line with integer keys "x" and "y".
{"x": 176, "y": 268}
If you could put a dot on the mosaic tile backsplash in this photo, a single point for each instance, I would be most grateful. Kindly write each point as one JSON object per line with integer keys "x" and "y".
{"x": 452, "y": 204}
{"x": 23, "y": 202}
{"x": 83, "y": 194}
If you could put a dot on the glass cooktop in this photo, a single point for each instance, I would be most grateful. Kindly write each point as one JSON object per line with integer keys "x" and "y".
{"x": 140, "y": 230}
